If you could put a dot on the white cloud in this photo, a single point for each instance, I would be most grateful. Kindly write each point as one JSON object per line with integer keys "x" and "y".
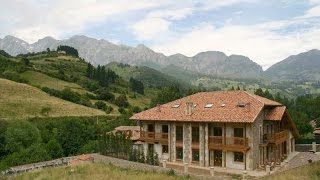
{"x": 32, "y": 20}
{"x": 258, "y": 42}
{"x": 148, "y": 28}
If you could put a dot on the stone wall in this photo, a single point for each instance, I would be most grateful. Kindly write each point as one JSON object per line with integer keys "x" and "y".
{"x": 306, "y": 147}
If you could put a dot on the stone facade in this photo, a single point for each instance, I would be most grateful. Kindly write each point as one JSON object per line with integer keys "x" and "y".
{"x": 253, "y": 156}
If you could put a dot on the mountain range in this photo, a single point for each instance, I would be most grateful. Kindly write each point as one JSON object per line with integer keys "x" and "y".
{"x": 214, "y": 63}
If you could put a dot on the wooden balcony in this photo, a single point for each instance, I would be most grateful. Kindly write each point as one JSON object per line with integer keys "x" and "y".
{"x": 278, "y": 137}
{"x": 228, "y": 143}
{"x": 154, "y": 137}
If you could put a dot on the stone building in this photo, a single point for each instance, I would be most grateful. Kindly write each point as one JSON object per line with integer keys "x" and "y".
{"x": 232, "y": 129}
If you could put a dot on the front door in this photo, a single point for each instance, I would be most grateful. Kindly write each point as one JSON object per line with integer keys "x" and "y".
{"x": 217, "y": 158}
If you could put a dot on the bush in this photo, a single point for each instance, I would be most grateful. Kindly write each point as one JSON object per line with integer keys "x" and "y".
{"x": 100, "y": 105}
{"x": 103, "y": 94}
{"x": 54, "y": 149}
{"x": 122, "y": 110}
{"x": 45, "y": 111}
{"x": 122, "y": 101}
{"x": 109, "y": 109}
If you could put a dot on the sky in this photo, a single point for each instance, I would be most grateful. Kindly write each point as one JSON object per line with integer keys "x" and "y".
{"x": 265, "y": 31}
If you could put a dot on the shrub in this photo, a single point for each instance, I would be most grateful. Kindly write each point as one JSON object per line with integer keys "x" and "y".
{"x": 45, "y": 111}
{"x": 100, "y": 105}
{"x": 122, "y": 101}
{"x": 54, "y": 149}
{"x": 122, "y": 110}
{"x": 103, "y": 94}
{"x": 109, "y": 109}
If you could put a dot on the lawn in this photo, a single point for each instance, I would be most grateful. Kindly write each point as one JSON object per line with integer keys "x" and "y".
{"x": 96, "y": 171}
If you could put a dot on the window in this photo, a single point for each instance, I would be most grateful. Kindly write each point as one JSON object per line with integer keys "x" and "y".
{"x": 179, "y": 133}
{"x": 150, "y": 128}
{"x": 238, "y": 157}
{"x": 195, "y": 134}
{"x": 165, "y": 129}
{"x": 217, "y": 131}
{"x": 179, "y": 153}
{"x": 165, "y": 149}
{"x": 238, "y": 132}
{"x": 208, "y": 105}
{"x": 195, "y": 155}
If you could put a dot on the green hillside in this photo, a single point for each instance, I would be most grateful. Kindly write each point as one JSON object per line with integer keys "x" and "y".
{"x": 66, "y": 77}
{"x": 19, "y": 100}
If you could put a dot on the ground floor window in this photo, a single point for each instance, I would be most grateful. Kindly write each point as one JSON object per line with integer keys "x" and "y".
{"x": 195, "y": 155}
{"x": 238, "y": 156}
{"x": 179, "y": 153}
{"x": 165, "y": 149}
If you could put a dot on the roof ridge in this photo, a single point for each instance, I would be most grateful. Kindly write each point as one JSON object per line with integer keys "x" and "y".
{"x": 254, "y": 97}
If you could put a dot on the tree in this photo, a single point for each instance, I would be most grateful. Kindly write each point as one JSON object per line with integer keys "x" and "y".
{"x": 72, "y": 136}
{"x": 69, "y": 50}
{"x": 25, "y": 61}
{"x": 54, "y": 149}
{"x": 122, "y": 101}
{"x": 3, "y": 129}
{"x": 136, "y": 86}
{"x": 167, "y": 94}
{"x": 48, "y": 50}
{"x": 20, "y": 135}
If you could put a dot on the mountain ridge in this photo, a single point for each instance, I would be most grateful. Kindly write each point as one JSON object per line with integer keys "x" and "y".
{"x": 103, "y": 52}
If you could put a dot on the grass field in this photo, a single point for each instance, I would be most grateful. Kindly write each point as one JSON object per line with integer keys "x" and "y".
{"x": 96, "y": 172}
{"x": 42, "y": 80}
{"x": 311, "y": 171}
{"x": 21, "y": 101}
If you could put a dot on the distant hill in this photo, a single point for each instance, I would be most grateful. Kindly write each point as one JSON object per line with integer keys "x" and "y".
{"x": 20, "y": 101}
{"x": 148, "y": 76}
{"x": 302, "y": 67}
{"x": 103, "y": 52}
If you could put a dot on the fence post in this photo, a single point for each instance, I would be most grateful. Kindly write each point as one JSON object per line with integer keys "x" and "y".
{"x": 314, "y": 147}
{"x": 244, "y": 175}
{"x": 212, "y": 171}
{"x": 164, "y": 163}
{"x": 186, "y": 168}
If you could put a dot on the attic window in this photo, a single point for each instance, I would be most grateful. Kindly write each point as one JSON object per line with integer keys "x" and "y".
{"x": 176, "y": 106}
{"x": 208, "y": 105}
{"x": 195, "y": 105}
{"x": 241, "y": 104}
{"x": 223, "y": 105}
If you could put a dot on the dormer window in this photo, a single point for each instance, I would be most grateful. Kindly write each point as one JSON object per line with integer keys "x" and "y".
{"x": 241, "y": 104}
{"x": 209, "y": 105}
{"x": 222, "y": 105}
{"x": 176, "y": 106}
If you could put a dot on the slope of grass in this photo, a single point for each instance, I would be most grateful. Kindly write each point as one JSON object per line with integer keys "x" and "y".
{"x": 311, "y": 171}
{"x": 21, "y": 101}
{"x": 42, "y": 80}
{"x": 94, "y": 171}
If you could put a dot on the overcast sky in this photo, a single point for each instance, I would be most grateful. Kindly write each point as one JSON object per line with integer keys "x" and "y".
{"x": 266, "y": 31}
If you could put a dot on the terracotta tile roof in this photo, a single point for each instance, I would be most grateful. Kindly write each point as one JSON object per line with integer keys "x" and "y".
{"x": 225, "y": 108}
{"x": 131, "y": 131}
{"x": 127, "y": 128}
{"x": 316, "y": 131}
{"x": 276, "y": 113}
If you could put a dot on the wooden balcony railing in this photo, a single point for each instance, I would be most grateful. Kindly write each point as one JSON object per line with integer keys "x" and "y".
{"x": 228, "y": 143}
{"x": 278, "y": 137}
{"x": 153, "y": 136}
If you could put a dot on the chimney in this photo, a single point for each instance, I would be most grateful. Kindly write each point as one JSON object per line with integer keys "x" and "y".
{"x": 158, "y": 108}
{"x": 189, "y": 107}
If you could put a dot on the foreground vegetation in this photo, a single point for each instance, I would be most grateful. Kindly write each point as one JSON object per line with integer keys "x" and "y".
{"x": 311, "y": 171}
{"x": 41, "y": 139}
{"x": 96, "y": 171}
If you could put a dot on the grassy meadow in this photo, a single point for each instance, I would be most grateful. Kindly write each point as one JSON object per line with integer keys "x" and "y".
{"x": 19, "y": 100}
{"x": 311, "y": 171}
{"x": 95, "y": 171}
